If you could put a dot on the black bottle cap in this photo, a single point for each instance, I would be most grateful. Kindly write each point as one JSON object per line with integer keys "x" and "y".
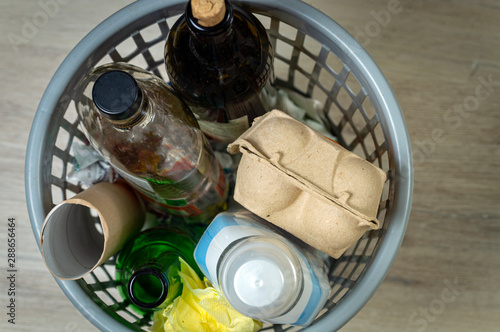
{"x": 117, "y": 95}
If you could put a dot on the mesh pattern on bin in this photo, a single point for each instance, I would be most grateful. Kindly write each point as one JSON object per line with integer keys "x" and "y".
{"x": 301, "y": 63}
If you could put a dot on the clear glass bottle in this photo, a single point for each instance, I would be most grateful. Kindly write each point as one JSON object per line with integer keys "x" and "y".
{"x": 263, "y": 272}
{"x": 224, "y": 71}
{"x": 151, "y": 138}
{"x": 147, "y": 267}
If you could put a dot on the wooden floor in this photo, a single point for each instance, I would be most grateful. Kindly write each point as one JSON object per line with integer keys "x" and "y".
{"x": 435, "y": 54}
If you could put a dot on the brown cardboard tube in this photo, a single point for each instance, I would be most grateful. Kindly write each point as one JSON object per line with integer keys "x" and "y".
{"x": 75, "y": 242}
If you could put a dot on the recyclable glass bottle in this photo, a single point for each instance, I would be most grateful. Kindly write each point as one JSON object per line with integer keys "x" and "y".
{"x": 151, "y": 138}
{"x": 147, "y": 267}
{"x": 221, "y": 63}
{"x": 263, "y": 271}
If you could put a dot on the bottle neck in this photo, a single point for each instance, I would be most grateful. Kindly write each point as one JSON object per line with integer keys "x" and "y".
{"x": 156, "y": 283}
{"x": 136, "y": 118}
{"x": 214, "y": 43}
{"x": 148, "y": 267}
{"x": 154, "y": 277}
{"x": 148, "y": 287}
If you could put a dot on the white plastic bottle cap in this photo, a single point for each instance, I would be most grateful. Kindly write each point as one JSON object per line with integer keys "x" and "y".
{"x": 261, "y": 277}
{"x": 259, "y": 282}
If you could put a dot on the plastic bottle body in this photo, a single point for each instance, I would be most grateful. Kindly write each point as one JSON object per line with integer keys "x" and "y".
{"x": 224, "y": 73}
{"x": 147, "y": 267}
{"x": 262, "y": 273}
{"x": 159, "y": 150}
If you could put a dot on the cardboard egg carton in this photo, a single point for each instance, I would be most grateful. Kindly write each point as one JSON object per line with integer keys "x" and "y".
{"x": 306, "y": 184}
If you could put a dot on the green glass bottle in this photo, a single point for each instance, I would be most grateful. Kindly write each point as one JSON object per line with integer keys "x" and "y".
{"x": 147, "y": 267}
{"x": 221, "y": 63}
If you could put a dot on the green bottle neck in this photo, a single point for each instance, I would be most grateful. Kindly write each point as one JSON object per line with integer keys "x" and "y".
{"x": 147, "y": 267}
{"x": 155, "y": 285}
{"x": 148, "y": 287}
{"x": 156, "y": 281}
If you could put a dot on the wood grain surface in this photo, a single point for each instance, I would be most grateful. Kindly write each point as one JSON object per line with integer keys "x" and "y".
{"x": 442, "y": 59}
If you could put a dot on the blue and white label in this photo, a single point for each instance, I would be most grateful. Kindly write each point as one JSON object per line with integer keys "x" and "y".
{"x": 229, "y": 227}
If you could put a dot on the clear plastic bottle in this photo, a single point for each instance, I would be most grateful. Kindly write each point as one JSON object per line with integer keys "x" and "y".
{"x": 222, "y": 67}
{"x": 147, "y": 267}
{"x": 262, "y": 271}
{"x": 151, "y": 138}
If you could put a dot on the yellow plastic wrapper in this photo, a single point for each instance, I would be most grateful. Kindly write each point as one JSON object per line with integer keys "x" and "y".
{"x": 200, "y": 308}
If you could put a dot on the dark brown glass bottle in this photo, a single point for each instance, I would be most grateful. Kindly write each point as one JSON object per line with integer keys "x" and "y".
{"x": 224, "y": 72}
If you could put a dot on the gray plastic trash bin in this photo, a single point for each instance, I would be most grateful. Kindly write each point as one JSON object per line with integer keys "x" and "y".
{"x": 314, "y": 56}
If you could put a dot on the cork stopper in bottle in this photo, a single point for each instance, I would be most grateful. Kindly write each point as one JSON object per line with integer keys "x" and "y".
{"x": 208, "y": 12}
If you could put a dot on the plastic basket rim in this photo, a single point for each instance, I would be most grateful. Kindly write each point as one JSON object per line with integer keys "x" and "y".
{"x": 364, "y": 288}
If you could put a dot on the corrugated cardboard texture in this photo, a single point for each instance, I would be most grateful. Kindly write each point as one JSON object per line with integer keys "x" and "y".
{"x": 306, "y": 184}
